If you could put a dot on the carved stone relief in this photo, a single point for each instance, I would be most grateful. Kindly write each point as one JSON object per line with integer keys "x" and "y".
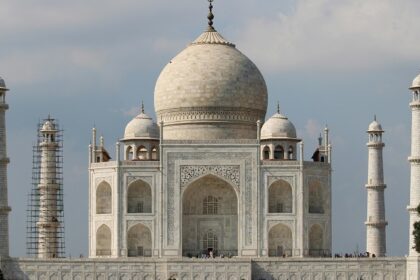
{"x": 98, "y": 180}
{"x": 272, "y": 223}
{"x": 288, "y": 179}
{"x": 147, "y": 179}
{"x": 131, "y": 223}
{"x": 100, "y": 223}
{"x": 181, "y": 175}
{"x": 229, "y": 172}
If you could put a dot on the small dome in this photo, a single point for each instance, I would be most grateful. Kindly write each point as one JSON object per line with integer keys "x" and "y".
{"x": 2, "y": 83}
{"x": 278, "y": 126}
{"x": 375, "y": 127}
{"x": 416, "y": 82}
{"x": 142, "y": 126}
{"x": 48, "y": 126}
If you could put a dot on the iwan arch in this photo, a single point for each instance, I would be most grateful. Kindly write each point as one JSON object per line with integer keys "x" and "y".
{"x": 209, "y": 217}
{"x": 213, "y": 175}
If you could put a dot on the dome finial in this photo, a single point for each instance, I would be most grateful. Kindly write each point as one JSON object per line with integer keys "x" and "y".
{"x": 210, "y": 16}
{"x": 278, "y": 107}
{"x": 374, "y": 117}
{"x": 142, "y": 106}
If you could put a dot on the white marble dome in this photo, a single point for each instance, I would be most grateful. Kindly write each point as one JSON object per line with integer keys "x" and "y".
{"x": 278, "y": 126}
{"x": 375, "y": 127}
{"x": 210, "y": 91}
{"x": 416, "y": 82}
{"x": 142, "y": 126}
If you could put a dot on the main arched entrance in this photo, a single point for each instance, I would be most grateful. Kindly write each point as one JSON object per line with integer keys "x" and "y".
{"x": 210, "y": 218}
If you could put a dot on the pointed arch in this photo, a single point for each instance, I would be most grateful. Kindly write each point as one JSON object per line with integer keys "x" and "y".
{"x": 104, "y": 198}
{"x": 154, "y": 153}
{"x": 142, "y": 153}
{"x": 280, "y": 241}
{"x": 209, "y": 215}
{"x": 103, "y": 241}
{"x": 280, "y": 197}
{"x": 278, "y": 152}
{"x": 139, "y": 241}
{"x": 290, "y": 153}
{"x": 216, "y": 176}
{"x": 316, "y": 240}
{"x": 316, "y": 197}
{"x": 139, "y": 197}
{"x": 129, "y": 153}
{"x": 266, "y": 153}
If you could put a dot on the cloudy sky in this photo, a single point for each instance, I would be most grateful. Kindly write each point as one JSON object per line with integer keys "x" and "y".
{"x": 326, "y": 61}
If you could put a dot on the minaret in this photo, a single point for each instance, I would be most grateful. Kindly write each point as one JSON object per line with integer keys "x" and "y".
{"x": 375, "y": 223}
{"x": 48, "y": 187}
{"x": 414, "y": 160}
{"x": 4, "y": 160}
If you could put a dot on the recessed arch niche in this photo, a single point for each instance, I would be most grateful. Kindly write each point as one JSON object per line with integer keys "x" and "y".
{"x": 209, "y": 216}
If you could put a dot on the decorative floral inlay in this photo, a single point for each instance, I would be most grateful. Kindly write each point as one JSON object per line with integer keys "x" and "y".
{"x": 228, "y": 172}
{"x": 147, "y": 179}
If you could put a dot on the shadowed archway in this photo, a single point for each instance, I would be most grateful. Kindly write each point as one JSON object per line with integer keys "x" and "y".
{"x": 210, "y": 218}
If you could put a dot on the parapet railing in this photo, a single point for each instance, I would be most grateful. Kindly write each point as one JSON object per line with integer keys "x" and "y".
{"x": 205, "y": 253}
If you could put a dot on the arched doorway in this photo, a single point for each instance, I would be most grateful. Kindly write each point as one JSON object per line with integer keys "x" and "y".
{"x": 139, "y": 241}
{"x": 139, "y": 197}
{"x": 142, "y": 153}
{"x": 103, "y": 241}
{"x": 279, "y": 152}
{"x": 316, "y": 197}
{"x": 280, "y": 241}
{"x": 316, "y": 241}
{"x": 129, "y": 153}
{"x": 104, "y": 199}
{"x": 280, "y": 197}
{"x": 266, "y": 152}
{"x": 210, "y": 218}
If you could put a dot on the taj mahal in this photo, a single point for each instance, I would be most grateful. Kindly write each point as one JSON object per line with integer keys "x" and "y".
{"x": 211, "y": 189}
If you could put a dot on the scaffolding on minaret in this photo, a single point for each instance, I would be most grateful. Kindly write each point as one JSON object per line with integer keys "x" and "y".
{"x": 45, "y": 213}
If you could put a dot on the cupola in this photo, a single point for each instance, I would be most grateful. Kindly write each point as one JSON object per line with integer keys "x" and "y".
{"x": 278, "y": 138}
{"x": 141, "y": 138}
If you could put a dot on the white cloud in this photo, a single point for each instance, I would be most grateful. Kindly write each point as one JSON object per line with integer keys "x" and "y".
{"x": 51, "y": 63}
{"x": 52, "y": 15}
{"x": 43, "y": 42}
{"x": 336, "y": 35}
